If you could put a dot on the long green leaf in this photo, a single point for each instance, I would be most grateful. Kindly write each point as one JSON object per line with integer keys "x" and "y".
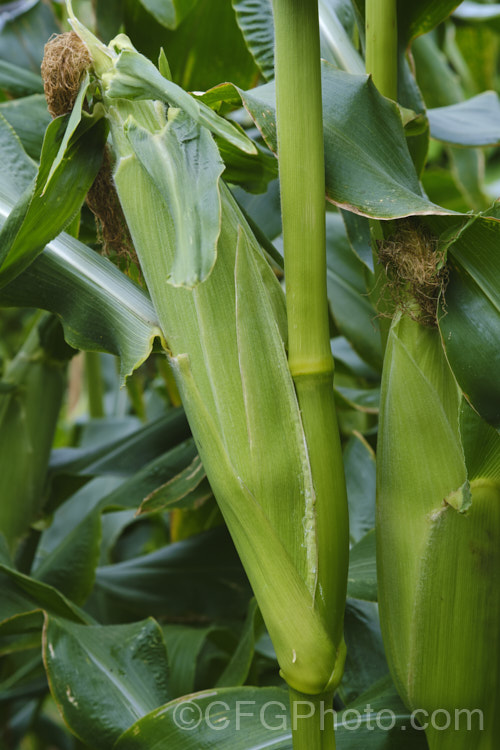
{"x": 255, "y": 20}
{"x": 40, "y": 217}
{"x": 24, "y": 595}
{"x": 169, "y": 12}
{"x": 369, "y": 169}
{"x": 183, "y": 484}
{"x": 19, "y": 81}
{"x": 236, "y": 672}
{"x": 125, "y": 455}
{"x": 365, "y": 661}
{"x": 185, "y": 645}
{"x": 99, "y": 307}
{"x": 177, "y": 725}
{"x": 208, "y": 47}
{"x": 481, "y": 445}
{"x": 30, "y": 118}
{"x": 470, "y": 317}
{"x": 421, "y": 16}
{"x": 163, "y": 484}
{"x": 472, "y": 12}
{"x": 362, "y": 577}
{"x": 200, "y": 575}
{"x": 104, "y": 678}
{"x": 25, "y": 30}
{"x": 17, "y": 170}
{"x": 70, "y": 567}
{"x": 29, "y": 413}
{"x": 359, "y": 462}
{"x": 210, "y": 719}
{"x": 352, "y": 310}
{"x": 474, "y": 122}
{"x": 470, "y": 335}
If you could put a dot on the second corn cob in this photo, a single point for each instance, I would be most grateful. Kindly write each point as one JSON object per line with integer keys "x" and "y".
{"x": 438, "y": 544}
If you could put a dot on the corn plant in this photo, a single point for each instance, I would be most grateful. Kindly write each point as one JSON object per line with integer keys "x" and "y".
{"x": 233, "y": 426}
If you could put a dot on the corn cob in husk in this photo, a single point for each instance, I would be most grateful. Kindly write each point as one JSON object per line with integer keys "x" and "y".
{"x": 224, "y": 327}
{"x": 438, "y": 543}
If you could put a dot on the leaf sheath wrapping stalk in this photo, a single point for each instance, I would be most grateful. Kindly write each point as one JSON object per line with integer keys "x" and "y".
{"x": 438, "y": 534}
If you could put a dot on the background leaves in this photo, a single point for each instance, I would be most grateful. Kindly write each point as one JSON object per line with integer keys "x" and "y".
{"x": 88, "y": 562}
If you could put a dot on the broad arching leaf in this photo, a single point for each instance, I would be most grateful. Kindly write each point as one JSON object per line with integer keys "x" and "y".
{"x": 104, "y": 678}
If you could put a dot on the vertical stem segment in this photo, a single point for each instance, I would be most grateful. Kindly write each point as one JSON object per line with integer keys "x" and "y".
{"x": 302, "y": 178}
{"x": 381, "y": 32}
{"x": 302, "y": 175}
{"x": 382, "y": 45}
{"x": 312, "y": 721}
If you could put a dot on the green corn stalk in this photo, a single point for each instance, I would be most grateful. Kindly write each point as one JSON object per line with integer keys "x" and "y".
{"x": 299, "y": 120}
{"x": 382, "y": 45}
{"x": 33, "y": 386}
{"x": 438, "y": 542}
{"x": 225, "y": 331}
{"x": 381, "y": 62}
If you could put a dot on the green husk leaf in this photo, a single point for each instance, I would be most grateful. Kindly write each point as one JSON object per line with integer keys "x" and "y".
{"x": 294, "y": 645}
{"x": 190, "y": 189}
{"x": 423, "y": 485}
{"x": 74, "y": 120}
{"x": 420, "y": 397}
{"x": 134, "y": 77}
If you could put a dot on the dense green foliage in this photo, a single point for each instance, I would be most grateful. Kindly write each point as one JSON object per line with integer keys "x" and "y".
{"x": 121, "y": 588}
